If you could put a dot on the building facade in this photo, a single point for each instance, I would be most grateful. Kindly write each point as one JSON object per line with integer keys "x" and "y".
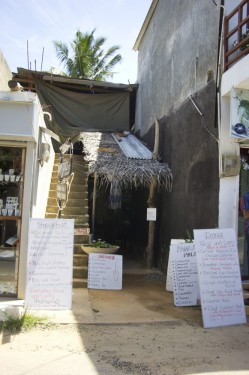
{"x": 182, "y": 83}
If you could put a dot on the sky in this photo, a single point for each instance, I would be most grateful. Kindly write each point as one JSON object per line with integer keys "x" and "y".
{"x": 39, "y": 22}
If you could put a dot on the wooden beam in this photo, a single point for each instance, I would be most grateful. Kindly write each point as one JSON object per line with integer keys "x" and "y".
{"x": 152, "y": 204}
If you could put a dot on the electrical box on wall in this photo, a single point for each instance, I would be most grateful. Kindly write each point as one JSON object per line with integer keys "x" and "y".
{"x": 230, "y": 165}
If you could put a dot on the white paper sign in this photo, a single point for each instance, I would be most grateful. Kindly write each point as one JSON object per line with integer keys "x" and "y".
{"x": 50, "y": 264}
{"x": 105, "y": 271}
{"x": 169, "y": 278}
{"x": 185, "y": 276}
{"x": 219, "y": 277}
{"x": 151, "y": 214}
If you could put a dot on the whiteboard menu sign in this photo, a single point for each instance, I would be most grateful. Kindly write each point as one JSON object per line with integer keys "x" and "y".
{"x": 50, "y": 264}
{"x": 185, "y": 276}
{"x": 169, "y": 279}
{"x": 219, "y": 277}
{"x": 105, "y": 271}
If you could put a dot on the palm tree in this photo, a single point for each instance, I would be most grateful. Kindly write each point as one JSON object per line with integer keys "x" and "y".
{"x": 88, "y": 60}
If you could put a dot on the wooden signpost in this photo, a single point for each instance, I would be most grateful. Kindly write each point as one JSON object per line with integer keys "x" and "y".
{"x": 219, "y": 277}
{"x": 105, "y": 271}
{"x": 50, "y": 264}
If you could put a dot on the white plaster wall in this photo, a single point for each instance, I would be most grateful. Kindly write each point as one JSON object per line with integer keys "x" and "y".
{"x": 17, "y": 116}
{"x": 5, "y": 73}
{"x": 237, "y": 77}
{"x": 26, "y": 212}
{"x": 21, "y": 116}
{"x": 42, "y": 178}
{"x": 229, "y": 186}
{"x": 41, "y": 173}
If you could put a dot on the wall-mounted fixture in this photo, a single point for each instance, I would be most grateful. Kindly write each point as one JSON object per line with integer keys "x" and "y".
{"x": 230, "y": 165}
{"x": 44, "y": 153}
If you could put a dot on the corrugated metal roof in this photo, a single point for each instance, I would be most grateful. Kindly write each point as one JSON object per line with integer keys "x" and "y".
{"x": 133, "y": 148}
{"x": 105, "y": 157}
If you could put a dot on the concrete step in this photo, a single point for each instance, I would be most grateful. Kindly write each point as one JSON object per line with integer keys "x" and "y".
{"x": 80, "y": 272}
{"x": 79, "y": 283}
{"x": 71, "y": 203}
{"x": 80, "y": 260}
{"x": 73, "y": 194}
{"x": 68, "y": 210}
{"x": 77, "y": 174}
{"x": 74, "y": 187}
{"x": 78, "y": 219}
{"x": 80, "y": 239}
{"x": 76, "y": 225}
{"x": 78, "y": 177}
{"x": 78, "y": 250}
{"x": 77, "y": 209}
{"x": 77, "y": 160}
{"x": 67, "y": 156}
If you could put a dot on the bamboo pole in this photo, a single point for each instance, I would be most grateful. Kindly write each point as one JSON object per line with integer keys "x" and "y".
{"x": 151, "y": 204}
{"x": 94, "y": 204}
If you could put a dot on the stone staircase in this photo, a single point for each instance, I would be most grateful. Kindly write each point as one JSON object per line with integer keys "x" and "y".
{"x": 77, "y": 209}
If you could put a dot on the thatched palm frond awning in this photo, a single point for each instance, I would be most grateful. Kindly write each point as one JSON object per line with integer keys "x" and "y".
{"x": 107, "y": 160}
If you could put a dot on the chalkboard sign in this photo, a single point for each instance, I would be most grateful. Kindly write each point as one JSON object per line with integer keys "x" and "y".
{"x": 219, "y": 277}
{"x": 50, "y": 264}
{"x": 185, "y": 276}
{"x": 169, "y": 278}
{"x": 105, "y": 271}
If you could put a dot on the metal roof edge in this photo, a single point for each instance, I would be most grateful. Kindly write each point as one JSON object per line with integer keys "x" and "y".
{"x": 48, "y": 77}
{"x": 90, "y": 83}
{"x": 145, "y": 25}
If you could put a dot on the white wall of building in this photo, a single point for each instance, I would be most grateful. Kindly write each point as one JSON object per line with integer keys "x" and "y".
{"x": 236, "y": 77}
{"x": 21, "y": 117}
{"x": 6, "y": 74}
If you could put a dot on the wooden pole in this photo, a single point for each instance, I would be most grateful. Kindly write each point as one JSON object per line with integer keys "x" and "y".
{"x": 151, "y": 204}
{"x": 94, "y": 204}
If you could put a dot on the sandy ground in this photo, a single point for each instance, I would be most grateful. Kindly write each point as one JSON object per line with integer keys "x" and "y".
{"x": 167, "y": 348}
{"x": 135, "y": 331}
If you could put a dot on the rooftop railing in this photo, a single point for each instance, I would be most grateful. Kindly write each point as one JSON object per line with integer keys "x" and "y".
{"x": 236, "y": 34}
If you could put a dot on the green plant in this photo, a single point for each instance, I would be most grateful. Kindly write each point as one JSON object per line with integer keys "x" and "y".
{"x": 189, "y": 238}
{"x": 100, "y": 243}
{"x": 25, "y": 322}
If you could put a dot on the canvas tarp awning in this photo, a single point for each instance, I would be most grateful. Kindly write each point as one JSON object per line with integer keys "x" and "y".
{"x": 74, "y": 112}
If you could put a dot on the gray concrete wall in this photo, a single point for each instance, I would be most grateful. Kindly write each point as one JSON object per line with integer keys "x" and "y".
{"x": 5, "y": 73}
{"x": 178, "y": 58}
{"x": 180, "y": 34}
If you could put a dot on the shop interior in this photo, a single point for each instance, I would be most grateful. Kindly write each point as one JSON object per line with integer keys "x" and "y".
{"x": 11, "y": 190}
{"x": 244, "y": 188}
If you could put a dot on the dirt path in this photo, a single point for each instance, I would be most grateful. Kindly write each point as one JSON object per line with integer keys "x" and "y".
{"x": 168, "y": 348}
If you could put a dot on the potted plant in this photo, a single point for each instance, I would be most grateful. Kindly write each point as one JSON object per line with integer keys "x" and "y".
{"x": 99, "y": 247}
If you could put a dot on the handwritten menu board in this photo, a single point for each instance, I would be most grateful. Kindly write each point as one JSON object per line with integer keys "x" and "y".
{"x": 169, "y": 279}
{"x": 185, "y": 275}
{"x": 105, "y": 271}
{"x": 50, "y": 264}
{"x": 219, "y": 277}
